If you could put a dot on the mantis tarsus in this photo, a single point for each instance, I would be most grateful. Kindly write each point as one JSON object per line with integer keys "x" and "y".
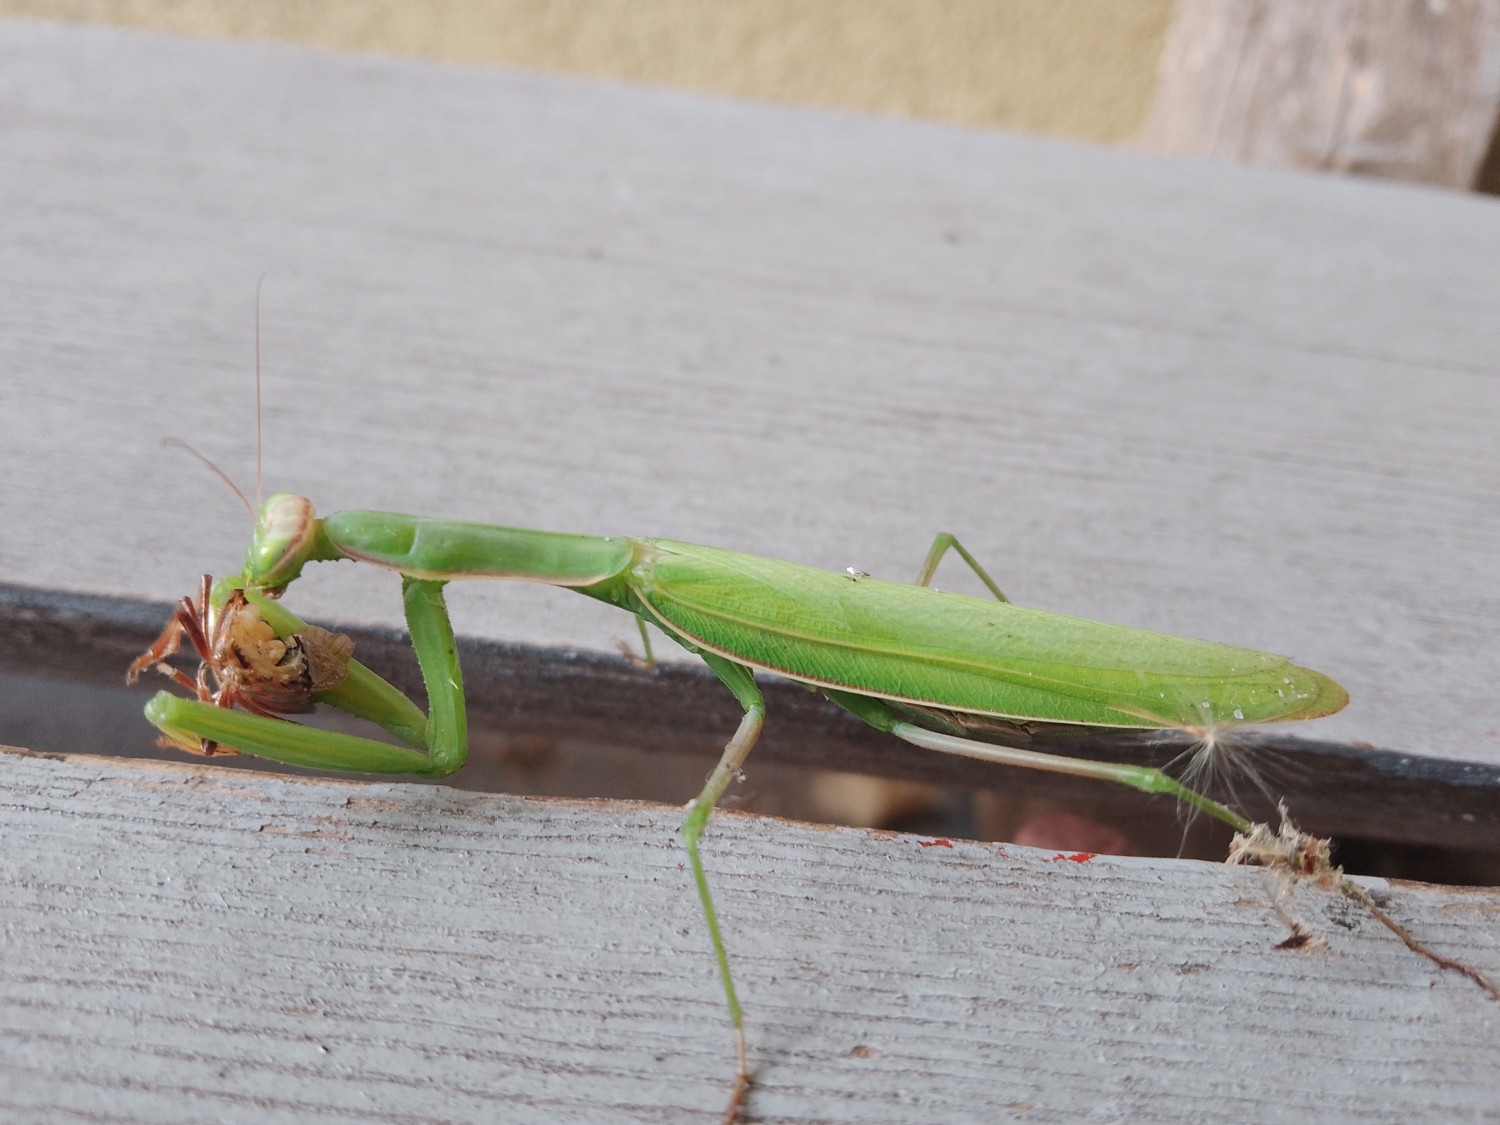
{"x": 926, "y": 666}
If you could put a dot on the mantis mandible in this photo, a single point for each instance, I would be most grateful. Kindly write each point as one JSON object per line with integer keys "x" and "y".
{"x": 937, "y": 669}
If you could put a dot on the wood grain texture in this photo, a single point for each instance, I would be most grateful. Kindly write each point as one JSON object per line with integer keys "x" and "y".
{"x": 189, "y": 944}
{"x": 1407, "y": 91}
{"x": 1253, "y": 407}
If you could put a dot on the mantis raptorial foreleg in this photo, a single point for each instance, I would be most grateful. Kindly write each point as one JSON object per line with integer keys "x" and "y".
{"x": 440, "y": 737}
{"x": 447, "y": 741}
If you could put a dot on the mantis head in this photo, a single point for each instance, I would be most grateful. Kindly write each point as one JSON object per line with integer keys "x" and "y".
{"x": 286, "y": 535}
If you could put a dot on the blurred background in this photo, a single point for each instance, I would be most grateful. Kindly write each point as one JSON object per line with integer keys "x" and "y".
{"x": 1404, "y": 89}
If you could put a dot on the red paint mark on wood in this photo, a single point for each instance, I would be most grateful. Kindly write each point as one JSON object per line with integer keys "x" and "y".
{"x": 938, "y": 843}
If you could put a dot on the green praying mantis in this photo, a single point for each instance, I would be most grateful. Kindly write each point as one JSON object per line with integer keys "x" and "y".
{"x": 943, "y": 671}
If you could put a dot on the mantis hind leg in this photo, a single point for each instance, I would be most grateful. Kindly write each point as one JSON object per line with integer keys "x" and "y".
{"x": 944, "y": 543}
{"x": 1145, "y": 778}
{"x": 739, "y": 680}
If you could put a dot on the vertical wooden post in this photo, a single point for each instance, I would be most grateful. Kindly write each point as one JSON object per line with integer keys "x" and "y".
{"x": 1407, "y": 90}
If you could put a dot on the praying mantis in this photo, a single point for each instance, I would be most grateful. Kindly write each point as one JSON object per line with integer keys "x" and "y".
{"x": 943, "y": 671}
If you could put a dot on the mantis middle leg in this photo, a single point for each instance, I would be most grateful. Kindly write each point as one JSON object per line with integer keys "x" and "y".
{"x": 739, "y": 680}
{"x": 944, "y": 543}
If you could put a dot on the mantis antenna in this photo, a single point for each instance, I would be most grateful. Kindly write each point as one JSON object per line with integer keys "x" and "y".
{"x": 178, "y": 443}
{"x": 259, "y": 282}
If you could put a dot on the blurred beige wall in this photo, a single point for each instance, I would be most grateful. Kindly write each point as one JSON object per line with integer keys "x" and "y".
{"x": 1078, "y": 68}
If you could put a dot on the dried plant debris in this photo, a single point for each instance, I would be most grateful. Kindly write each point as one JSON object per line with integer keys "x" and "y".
{"x": 1292, "y": 856}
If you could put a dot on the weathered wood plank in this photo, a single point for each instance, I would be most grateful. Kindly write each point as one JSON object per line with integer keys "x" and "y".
{"x": 1408, "y": 91}
{"x": 184, "y": 944}
{"x": 1254, "y": 407}
{"x": 682, "y": 712}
